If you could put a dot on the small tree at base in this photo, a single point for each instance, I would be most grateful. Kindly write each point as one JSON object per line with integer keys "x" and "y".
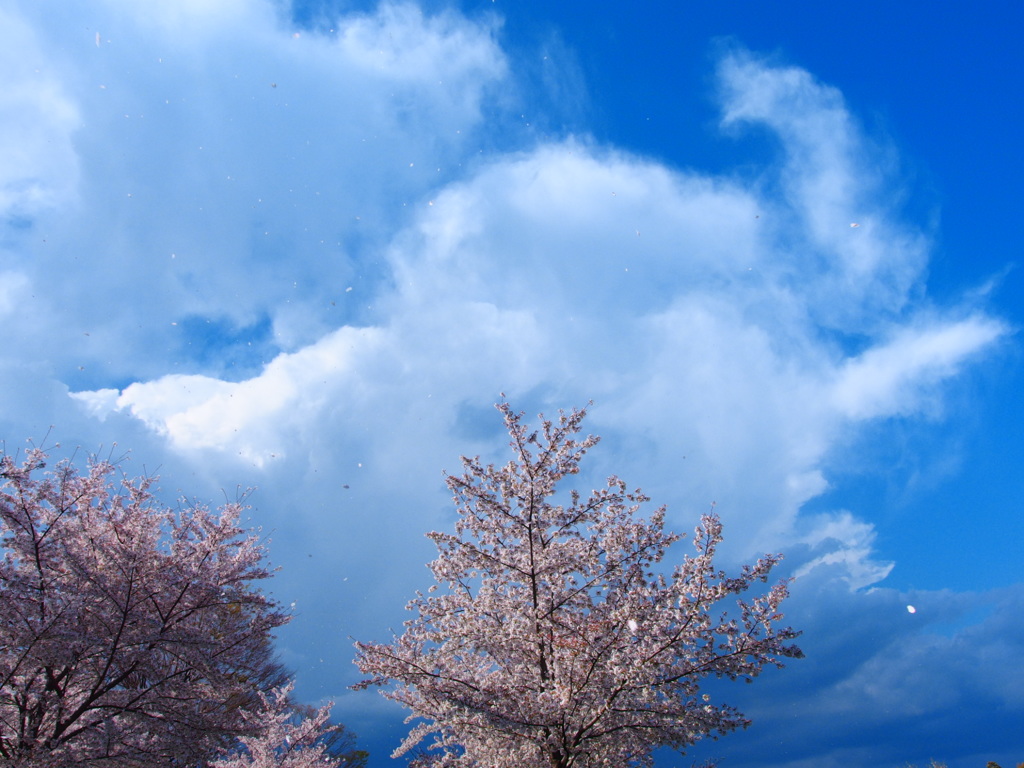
{"x": 283, "y": 738}
{"x": 556, "y": 643}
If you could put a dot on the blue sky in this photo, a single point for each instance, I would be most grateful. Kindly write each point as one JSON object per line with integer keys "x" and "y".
{"x": 303, "y": 248}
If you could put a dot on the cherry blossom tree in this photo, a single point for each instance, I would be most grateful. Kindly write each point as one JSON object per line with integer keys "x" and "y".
{"x": 130, "y": 633}
{"x": 283, "y": 736}
{"x": 556, "y": 641}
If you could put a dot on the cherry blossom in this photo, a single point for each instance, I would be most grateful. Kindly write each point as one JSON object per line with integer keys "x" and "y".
{"x": 553, "y": 639}
{"x": 282, "y": 738}
{"x": 130, "y": 633}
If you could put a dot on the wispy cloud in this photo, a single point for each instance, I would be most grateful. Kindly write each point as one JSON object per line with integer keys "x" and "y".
{"x": 890, "y": 378}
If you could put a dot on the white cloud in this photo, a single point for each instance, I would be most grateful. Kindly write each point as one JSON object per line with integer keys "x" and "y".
{"x": 247, "y": 418}
{"x": 222, "y": 168}
{"x": 888, "y": 379}
{"x": 13, "y": 288}
{"x": 846, "y": 545}
{"x": 691, "y": 318}
{"x": 831, "y": 176}
{"x": 192, "y": 22}
{"x": 37, "y": 122}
